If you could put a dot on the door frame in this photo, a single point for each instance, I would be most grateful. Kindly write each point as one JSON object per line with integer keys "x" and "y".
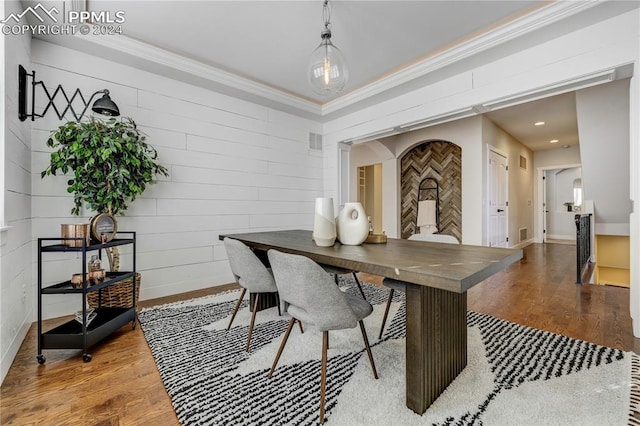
{"x": 540, "y": 191}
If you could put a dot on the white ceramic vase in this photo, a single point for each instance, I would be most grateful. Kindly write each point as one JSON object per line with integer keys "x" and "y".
{"x": 324, "y": 224}
{"x": 352, "y": 224}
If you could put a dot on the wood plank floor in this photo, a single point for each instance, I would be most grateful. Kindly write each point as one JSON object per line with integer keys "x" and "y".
{"x": 121, "y": 385}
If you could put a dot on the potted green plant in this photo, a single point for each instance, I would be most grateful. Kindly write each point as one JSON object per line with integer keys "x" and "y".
{"x": 109, "y": 163}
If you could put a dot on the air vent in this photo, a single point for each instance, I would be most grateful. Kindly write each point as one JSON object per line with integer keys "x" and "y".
{"x": 523, "y": 234}
{"x": 315, "y": 141}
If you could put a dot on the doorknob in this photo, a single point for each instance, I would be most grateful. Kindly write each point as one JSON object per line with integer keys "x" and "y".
{"x": 500, "y": 210}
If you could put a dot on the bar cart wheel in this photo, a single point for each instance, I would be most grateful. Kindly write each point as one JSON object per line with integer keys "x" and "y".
{"x": 41, "y": 359}
{"x": 86, "y": 357}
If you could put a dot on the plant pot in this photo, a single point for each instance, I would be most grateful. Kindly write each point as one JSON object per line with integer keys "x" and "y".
{"x": 75, "y": 230}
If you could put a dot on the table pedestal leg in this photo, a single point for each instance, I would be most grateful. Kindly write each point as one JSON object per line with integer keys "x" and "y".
{"x": 436, "y": 342}
{"x": 267, "y": 300}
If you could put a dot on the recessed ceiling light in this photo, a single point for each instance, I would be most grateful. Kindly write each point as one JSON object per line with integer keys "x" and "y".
{"x": 554, "y": 141}
{"x": 565, "y": 146}
{"x": 539, "y": 123}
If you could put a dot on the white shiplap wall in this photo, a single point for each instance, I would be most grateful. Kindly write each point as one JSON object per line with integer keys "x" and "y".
{"x": 16, "y": 283}
{"x": 234, "y": 167}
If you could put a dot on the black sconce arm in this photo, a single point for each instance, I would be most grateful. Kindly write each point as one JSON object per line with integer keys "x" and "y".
{"x": 104, "y": 105}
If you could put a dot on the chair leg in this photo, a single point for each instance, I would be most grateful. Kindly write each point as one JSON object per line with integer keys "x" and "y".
{"x": 235, "y": 310}
{"x": 253, "y": 320}
{"x": 355, "y": 277}
{"x": 366, "y": 345}
{"x": 335, "y": 279}
{"x": 323, "y": 373}
{"x": 284, "y": 342}
{"x": 386, "y": 312}
{"x": 300, "y": 324}
{"x": 278, "y": 303}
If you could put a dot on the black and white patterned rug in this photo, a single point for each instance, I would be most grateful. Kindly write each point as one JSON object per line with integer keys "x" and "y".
{"x": 516, "y": 375}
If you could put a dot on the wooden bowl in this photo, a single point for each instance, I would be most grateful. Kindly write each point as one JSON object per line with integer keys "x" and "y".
{"x": 376, "y": 238}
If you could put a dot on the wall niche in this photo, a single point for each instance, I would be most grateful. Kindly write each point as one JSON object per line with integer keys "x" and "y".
{"x": 442, "y": 161}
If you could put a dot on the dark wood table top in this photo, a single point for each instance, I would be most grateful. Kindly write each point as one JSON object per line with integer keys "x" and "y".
{"x": 449, "y": 267}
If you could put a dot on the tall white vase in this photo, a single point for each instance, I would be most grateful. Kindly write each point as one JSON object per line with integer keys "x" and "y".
{"x": 324, "y": 224}
{"x": 352, "y": 224}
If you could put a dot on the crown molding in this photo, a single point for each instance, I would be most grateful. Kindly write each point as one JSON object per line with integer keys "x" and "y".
{"x": 542, "y": 17}
{"x": 156, "y": 55}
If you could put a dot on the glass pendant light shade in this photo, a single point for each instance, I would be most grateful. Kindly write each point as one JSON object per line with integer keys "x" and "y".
{"x": 328, "y": 71}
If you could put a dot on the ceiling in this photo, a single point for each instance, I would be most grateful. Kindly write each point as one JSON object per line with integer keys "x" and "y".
{"x": 271, "y": 42}
{"x": 558, "y": 113}
{"x": 258, "y": 50}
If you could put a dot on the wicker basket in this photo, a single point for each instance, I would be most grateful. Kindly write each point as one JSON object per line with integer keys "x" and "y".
{"x": 116, "y": 295}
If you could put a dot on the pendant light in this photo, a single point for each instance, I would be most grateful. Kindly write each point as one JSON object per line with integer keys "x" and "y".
{"x": 328, "y": 72}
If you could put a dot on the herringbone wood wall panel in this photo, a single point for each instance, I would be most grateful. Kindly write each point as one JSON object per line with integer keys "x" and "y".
{"x": 442, "y": 161}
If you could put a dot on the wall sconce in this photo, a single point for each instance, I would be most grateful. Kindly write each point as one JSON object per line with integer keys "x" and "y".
{"x": 104, "y": 105}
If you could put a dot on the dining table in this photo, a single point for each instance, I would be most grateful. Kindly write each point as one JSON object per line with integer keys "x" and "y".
{"x": 437, "y": 278}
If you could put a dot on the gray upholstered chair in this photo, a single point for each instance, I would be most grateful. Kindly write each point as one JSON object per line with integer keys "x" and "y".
{"x": 395, "y": 285}
{"x": 250, "y": 274}
{"x": 311, "y": 297}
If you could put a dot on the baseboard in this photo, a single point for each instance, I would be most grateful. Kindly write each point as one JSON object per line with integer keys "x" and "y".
{"x": 14, "y": 347}
{"x": 561, "y": 237}
{"x": 523, "y": 244}
{"x": 157, "y": 292}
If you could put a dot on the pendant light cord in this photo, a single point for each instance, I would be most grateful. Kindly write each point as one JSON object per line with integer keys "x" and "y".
{"x": 326, "y": 15}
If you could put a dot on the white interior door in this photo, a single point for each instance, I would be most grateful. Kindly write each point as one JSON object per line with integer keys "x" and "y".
{"x": 497, "y": 200}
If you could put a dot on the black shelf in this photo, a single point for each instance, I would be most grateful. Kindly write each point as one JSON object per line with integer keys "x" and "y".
{"x": 66, "y": 287}
{"x": 72, "y": 334}
{"x": 95, "y": 245}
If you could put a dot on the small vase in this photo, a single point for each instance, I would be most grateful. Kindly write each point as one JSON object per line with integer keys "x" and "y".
{"x": 324, "y": 224}
{"x": 352, "y": 224}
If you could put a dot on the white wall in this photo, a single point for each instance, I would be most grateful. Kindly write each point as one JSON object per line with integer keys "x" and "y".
{"x": 17, "y": 288}
{"x": 555, "y": 157}
{"x": 634, "y": 193}
{"x": 603, "y": 125}
{"x": 234, "y": 166}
